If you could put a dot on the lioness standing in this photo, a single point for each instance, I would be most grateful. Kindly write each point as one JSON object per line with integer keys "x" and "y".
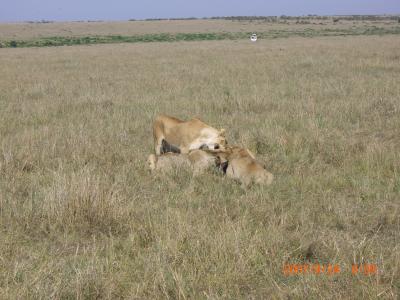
{"x": 183, "y": 136}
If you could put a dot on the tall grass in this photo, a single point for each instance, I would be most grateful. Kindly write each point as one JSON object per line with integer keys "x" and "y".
{"x": 80, "y": 216}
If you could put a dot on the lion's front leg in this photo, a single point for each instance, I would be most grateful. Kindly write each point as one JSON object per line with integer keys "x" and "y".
{"x": 158, "y": 146}
{"x": 167, "y": 147}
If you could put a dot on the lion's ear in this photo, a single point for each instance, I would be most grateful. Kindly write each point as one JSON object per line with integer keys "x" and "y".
{"x": 222, "y": 132}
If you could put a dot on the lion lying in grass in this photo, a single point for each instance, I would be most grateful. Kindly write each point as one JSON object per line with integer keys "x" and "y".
{"x": 242, "y": 166}
{"x": 237, "y": 163}
{"x": 198, "y": 160}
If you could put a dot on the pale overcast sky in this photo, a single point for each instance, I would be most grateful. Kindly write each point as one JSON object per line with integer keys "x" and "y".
{"x": 72, "y": 10}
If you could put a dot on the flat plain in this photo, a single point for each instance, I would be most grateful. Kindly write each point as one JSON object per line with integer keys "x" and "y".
{"x": 40, "y": 29}
{"x": 81, "y": 217}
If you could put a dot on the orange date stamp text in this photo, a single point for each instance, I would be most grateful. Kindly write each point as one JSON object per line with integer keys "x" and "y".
{"x": 329, "y": 269}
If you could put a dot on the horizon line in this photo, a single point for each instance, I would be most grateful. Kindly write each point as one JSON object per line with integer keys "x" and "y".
{"x": 202, "y": 18}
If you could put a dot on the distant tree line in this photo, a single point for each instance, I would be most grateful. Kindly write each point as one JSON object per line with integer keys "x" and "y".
{"x": 284, "y": 17}
{"x": 299, "y": 19}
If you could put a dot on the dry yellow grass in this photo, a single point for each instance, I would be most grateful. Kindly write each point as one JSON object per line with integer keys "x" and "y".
{"x": 80, "y": 217}
{"x": 38, "y": 30}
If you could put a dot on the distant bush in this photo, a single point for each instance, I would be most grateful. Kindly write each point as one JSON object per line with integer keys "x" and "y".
{"x": 178, "y": 19}
{"x": 152, "y": 19}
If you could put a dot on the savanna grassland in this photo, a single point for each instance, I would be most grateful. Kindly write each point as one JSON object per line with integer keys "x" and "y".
{"x": 45, "y": 33}
{"x": 31, "y": 30}
{"x": 81, "y": 217}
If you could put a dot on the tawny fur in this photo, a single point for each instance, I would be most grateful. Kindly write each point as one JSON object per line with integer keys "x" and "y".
{"x": 243, "y": 167}
{"x": 197, "y": 160}
{"x": 186, "y": 135}
{"x": 201, "y": 160}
